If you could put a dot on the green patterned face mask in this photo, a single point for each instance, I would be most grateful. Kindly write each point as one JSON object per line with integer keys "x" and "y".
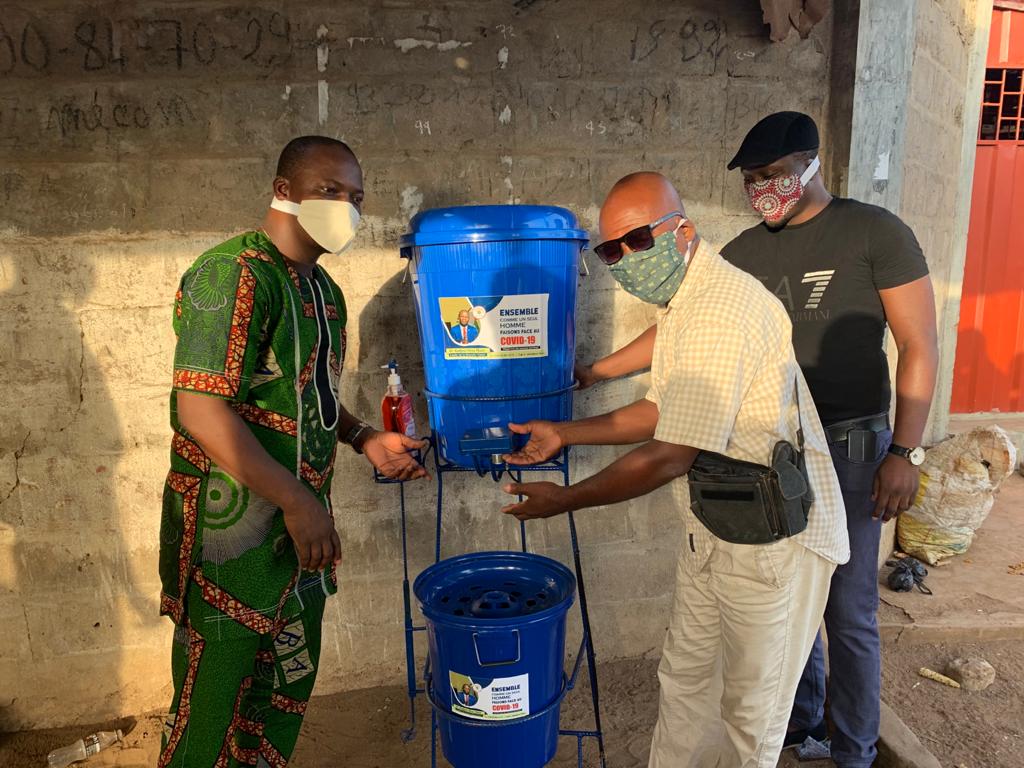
{"x": 653, "y": 275}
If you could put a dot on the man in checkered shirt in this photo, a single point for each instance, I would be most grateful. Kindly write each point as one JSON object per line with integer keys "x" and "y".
{"x": 723, "y": 380}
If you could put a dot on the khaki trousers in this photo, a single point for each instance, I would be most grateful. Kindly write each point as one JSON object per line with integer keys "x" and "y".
{"x": 740, "y": 633}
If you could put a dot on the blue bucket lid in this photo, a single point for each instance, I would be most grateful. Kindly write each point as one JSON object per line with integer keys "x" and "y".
{"x": 497, "y": 587}
{"x": 492, "y": 223}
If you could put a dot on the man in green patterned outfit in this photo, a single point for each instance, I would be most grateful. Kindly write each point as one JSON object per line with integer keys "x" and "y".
{"x": 248, "y": 546}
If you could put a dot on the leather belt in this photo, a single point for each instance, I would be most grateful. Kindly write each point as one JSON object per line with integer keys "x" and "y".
{"x": 837, "y": 433}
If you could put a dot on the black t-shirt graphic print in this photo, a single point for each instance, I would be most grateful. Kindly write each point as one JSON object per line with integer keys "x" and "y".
{"x": 827, "y": 272}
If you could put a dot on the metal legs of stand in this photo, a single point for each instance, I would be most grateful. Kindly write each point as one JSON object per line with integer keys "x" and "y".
{"x": 443, "y": 468}
{"x": 410, "y": 629}
{"x": 598, "y": 732}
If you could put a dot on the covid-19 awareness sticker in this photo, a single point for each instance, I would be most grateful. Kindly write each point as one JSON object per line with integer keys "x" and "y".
{"x": 495, "y": 327}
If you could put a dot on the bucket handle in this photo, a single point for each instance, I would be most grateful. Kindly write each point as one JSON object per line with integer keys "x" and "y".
{"x": 482, "y": 663}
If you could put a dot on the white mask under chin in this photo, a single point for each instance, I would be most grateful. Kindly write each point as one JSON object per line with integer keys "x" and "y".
{"x": 331, "y": 223}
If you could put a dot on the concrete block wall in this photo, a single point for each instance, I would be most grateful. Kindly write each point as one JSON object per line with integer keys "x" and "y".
{"x": 920, "y": 66}
{"x": 950, "y": 41}
{"x": 135, "y": 135}
{"x": 919, "y": 72}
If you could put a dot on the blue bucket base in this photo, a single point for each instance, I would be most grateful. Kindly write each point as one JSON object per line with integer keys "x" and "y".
{"x": 469, "y": 743}
{"x": 496, "y": 624}
{"x": 511, "y": 746}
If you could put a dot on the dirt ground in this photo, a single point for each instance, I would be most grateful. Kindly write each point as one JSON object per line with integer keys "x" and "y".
{"x": 362, "y": 729}
{"x": 973, "y": 730}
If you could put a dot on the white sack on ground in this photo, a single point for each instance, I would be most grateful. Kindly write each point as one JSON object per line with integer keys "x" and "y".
{"x": 959, "y": 479}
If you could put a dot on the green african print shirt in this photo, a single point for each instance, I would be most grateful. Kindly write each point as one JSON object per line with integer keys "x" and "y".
{"x": 252, "y": 331}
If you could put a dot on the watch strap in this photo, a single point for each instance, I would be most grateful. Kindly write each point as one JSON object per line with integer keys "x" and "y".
{"x": 353, "y": 435}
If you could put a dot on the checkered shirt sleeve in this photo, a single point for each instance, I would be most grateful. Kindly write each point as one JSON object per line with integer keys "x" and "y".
{"x": 699, "y": 397}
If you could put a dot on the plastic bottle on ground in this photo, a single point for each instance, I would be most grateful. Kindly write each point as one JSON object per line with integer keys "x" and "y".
{"x": 83, "y": 748}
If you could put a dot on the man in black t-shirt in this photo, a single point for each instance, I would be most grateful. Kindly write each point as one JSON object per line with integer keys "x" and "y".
{"x": 844, "y": 270}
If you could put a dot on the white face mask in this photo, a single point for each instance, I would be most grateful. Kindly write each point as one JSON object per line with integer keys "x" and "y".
{"x": 331, "y": 223}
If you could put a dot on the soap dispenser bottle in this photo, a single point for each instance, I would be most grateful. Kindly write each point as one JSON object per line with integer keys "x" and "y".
{"x": 396, "y": 407}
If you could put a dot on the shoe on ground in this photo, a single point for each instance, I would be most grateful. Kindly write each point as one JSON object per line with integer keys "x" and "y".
{"x": 795, "y": 739}
{"x": 812, "y": 749}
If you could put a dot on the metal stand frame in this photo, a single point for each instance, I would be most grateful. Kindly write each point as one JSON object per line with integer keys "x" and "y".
{"x": 442, "y": 467}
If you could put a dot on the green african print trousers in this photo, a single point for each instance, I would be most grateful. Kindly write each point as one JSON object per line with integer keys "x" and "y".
{"x": 240, "y": 702}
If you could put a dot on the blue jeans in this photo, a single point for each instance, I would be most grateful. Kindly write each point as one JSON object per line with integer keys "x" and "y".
{"x": 851, "y": 620}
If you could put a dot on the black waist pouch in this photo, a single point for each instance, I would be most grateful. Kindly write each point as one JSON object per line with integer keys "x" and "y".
{"x": 746, "y": 503}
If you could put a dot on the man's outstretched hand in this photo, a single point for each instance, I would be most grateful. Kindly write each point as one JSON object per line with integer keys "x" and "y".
{"x": 389, "y": 453}
{"x": 540, "y": 500}
{"x": 545, "y": 443}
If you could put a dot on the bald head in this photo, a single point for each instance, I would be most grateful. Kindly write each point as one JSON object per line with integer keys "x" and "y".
{"x": 639, "y": 199}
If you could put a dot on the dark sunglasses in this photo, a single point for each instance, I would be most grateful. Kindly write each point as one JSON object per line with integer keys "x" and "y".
{"x": 639, "y": 239}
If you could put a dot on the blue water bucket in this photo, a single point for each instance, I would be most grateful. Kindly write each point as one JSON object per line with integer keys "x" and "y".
{"x": 496, "y": 632}
{"x": 495, "y": 291}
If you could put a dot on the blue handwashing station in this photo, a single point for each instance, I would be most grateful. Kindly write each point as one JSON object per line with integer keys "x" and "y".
{"x": 495, "y": 294}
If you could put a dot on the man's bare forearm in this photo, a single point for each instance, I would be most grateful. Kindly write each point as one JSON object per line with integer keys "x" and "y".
{"x": 630, "y": 424}
{"x": 915, "y": 386}
{"x": 910, "y": 312}
{"x": 636, "y": 474}
{"x": 632, "y": 358}
{"x": 347, "y": 422}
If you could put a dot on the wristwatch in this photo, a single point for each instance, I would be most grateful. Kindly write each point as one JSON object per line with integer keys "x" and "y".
{"x": 353, "y": 435}
{"x": 914, "y": 455}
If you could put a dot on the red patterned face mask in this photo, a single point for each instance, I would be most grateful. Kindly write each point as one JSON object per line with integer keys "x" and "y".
{"x": 775, "y": 199}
